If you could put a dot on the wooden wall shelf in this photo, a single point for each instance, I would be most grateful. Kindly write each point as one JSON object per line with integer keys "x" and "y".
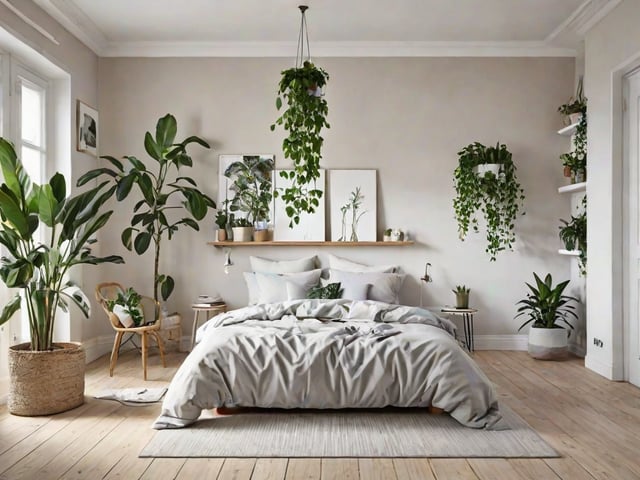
{"x": 310, "y": 244}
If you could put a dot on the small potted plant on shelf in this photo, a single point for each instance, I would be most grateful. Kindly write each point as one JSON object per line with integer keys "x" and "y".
{"x": 498, "y": 196}
{"x": 575, "y": 109}
{"x": 549, "y": 311}
{"x": 242, "y": 230}
{"x": 386, "y": 236}
{"x": 222, "y": 218}
{"x": 574, "y": 235}
{"x": 462, "y": 296}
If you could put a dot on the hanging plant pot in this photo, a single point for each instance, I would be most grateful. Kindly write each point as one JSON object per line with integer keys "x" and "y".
{"x": 484, "y": 168}
{"x": 575, "y": 118}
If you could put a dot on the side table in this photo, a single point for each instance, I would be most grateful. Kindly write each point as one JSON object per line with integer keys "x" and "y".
{"x": 467, "y": 322}
{"x": 197, "y": 308}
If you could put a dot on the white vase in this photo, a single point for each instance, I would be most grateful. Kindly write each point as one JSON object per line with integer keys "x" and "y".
{"x": 484, "y": 168}
{"x": 242, "y": 234}
{"x": 548, "y": 343}
{"x": 575, "y": 118}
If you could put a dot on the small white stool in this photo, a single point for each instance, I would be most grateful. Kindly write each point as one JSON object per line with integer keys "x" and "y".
{"x": 211, "y": 309}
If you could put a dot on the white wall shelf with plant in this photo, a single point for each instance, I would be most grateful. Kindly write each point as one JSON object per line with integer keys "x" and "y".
{"x": 569, "y": 130}
{"x": 310, "y": 244}
{"x": 572, "y": 253}
{"x": 573, "y": 188}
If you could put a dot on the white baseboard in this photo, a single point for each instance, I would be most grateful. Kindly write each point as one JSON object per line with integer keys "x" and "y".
{"x": 500, "y": 342}
{"x": 600, "y": 368}
{"x": 578, "y": 350}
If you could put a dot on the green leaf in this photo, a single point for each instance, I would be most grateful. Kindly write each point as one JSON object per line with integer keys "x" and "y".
{"x": 126, "y": 237}
{"x": 152, "y": 148}
{"x": 58, "y": 187}
{"x": 141, "y": 243}
{"x": 13, "y": 214}
{"x": 124, "y": 186}
{"x": 91, "y": 174}
{"x": 114, "y": 161}
{"x": 166, "y": 130}
{"x": 77, "y": 296}
{"x": 194, "y": 139}
{"x": 167, "y": 287}
{"x": 47, "y": 206}
{"x": 10, "y": 308}
{"x": 137, "y": 164}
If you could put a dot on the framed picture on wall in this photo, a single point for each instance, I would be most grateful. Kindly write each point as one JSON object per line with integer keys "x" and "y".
{"x": 87, "y": 129}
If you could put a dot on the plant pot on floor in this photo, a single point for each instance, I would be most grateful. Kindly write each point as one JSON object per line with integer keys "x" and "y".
{"x": 242, "y": 234}
{"x": 45, "y": 382}
{"x": 548, "y": 343}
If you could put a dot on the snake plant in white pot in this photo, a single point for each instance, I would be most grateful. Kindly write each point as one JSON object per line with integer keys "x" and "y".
{"x": 549, "y": 312}
{"x": 46, "y": 377}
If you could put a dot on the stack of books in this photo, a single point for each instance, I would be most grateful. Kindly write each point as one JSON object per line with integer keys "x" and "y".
{"x": 204, "y": 301}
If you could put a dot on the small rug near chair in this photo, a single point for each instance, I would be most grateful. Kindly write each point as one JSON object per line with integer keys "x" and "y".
{"x": 133, "y": 397}
{"x": 361, "y": 433}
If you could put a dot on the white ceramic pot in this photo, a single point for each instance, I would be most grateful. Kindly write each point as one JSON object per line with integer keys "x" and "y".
{"x": 386, "y": 238}
{"x": 242, "y": 234}
{"x": 482, "y": 169}
{"x": 575, "y": 118}
{"x": 548, "y": 343}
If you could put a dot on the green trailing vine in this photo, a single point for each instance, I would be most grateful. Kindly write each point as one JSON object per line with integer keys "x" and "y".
{"x": 573, "y": 234}
{"x": 498, "y": 197}
{"x": 576, "y": 160}
{"x": 303, "y": 119}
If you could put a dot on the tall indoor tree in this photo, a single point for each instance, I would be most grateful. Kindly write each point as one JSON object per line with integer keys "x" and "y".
{"x": 150, "y": 222}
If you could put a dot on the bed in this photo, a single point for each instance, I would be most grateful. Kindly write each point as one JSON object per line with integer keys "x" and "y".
{"x": 328, "y": 354}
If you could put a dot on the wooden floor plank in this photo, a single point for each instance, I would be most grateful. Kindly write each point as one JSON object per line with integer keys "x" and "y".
{"x": 340, "y": 469}
{"x": 533, "y": 468}
{"x": 413, "y": 469}
{"x": 200, "y": 468}
{"x": 270, "y": 469}
{"x": 377, "y": 469}
{"x": 237, "y": 469}
{"x": 452, "y": 469}
{"x": 494, "y": 469}
{"x": 163, "y": 469}
{"x": 304, "y": 469}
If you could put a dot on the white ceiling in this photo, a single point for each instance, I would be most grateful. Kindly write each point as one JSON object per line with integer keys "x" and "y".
{"x": 130, "y": 27}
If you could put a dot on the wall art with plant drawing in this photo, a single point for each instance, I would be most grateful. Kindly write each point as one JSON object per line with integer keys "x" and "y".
{"x": 353, "y": 209}
{"x": 352, "y": 194}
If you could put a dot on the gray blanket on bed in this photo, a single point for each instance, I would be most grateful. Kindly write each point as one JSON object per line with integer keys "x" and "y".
{"x": 329, "y": 354}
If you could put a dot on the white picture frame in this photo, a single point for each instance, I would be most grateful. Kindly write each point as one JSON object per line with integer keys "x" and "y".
{"x": 343, "y": 185}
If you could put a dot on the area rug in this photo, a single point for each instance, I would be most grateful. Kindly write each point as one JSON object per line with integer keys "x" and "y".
{"x": 133, "y": 397}
{"x": 343, "y": 433}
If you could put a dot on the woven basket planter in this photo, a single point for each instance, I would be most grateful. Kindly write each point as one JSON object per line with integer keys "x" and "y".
{"x": 44, "y": 383}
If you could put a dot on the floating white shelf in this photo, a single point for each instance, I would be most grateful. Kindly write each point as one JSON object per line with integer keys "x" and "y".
{"x": 573, "y": 253}
{"x": 568, "y": 131}
{"x": 573, "y": 188}
{"x": 310, "y": 244}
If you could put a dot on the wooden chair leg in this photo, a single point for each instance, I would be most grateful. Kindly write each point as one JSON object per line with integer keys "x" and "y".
{"x": 144, "y": 354}
{"x": 114, "y": 352}
{"x": 160, "y": 347}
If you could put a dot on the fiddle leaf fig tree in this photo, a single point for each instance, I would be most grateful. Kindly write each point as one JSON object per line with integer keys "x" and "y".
{"x": 303, "y": 119}
{"x": 150, "y": 222}
{"x": 499, "y": 197}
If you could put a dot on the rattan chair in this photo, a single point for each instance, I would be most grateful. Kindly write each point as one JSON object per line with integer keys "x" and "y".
{"x": 151, "y": 309}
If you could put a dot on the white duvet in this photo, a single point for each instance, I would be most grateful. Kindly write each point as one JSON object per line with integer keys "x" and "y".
{"x": 329, "y": 354}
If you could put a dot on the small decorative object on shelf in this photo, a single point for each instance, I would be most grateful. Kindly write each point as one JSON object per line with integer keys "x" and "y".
{"x": 573, "y": 234}
{"x": 575, "y": 161}
{"x": 386, "y": 237}
{"x": 462, "y": 296}
{"x": 576, "y": 108}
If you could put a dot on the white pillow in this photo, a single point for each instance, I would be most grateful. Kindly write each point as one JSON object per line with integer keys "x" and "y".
{"x": 264, "y": 265}
{"x": 382, "y": 287}
{"x": 125, "y": 317}
{"x": 270, "y": 288}
{"x": 339, "y": 263}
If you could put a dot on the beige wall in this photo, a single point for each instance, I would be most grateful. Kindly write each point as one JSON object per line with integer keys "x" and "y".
{"x": 407, "y": 118}
{"x": 612, "y": 48}
{"x": 82, "y": 65}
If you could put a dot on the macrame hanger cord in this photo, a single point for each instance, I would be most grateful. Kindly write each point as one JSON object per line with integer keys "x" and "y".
{"x": 303, "y": 37}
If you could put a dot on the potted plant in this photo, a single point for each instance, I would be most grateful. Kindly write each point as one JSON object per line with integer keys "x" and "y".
{"x": 126, "y": 306}
{"x": 575, "y": 162}
{"x": 549, "y": 311}
{"x": 462, "y": 296}
{"x": 222, "y": 217}
{"x": 386, "y": 236}
{"x": 499, "y": 197}
{"x": 303, "y": 119}
{"x": 46, "y": 377}
{"x": 252, "y": 187}
{"x": 574, "y": 235}
{"x": 150, "y": 222}
{"x": 242, "y": 230}
{"x": 576, "y": 108}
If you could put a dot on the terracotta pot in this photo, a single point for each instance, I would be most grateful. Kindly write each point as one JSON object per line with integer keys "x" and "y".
{"x": 44, "y": 383}
{"x": 567, "y": 171}
{"x": 222, "y": 235}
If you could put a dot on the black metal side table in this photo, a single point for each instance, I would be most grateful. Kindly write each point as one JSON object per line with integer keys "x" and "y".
{"x": 467, "y": 322}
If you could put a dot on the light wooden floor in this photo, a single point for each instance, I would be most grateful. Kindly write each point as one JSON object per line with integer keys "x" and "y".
{"x": 593, "y": 423}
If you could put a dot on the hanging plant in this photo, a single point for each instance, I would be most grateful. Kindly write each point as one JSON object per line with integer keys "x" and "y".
{"x": 303, "y": 119}
{"x": 498, "y": 196}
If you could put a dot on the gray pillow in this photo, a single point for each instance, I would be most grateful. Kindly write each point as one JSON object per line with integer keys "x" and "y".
{"x": 339, "y": 263}
{"x": 382, "y": 287}
{"x": 264, "y": 265}
{"x": 271, "y": 287}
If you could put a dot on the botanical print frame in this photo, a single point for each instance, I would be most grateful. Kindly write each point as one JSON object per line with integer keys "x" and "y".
{"x": 353, "y": 208}
{"x": 312, "y": 225}
{"x": 86, "y": 129}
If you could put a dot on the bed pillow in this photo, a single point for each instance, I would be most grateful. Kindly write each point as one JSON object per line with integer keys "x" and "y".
{"x": 264, "y": 265}
{"x": 329, "y": 291}
{"x": 271, "y": 287}
{"x": 382, "y": 287}
{"x": 339, "y": 263}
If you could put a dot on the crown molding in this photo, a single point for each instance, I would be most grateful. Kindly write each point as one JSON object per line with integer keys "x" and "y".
{"x": 337, "y": 49}
{"x": 583, "y": 18}
{"x": 71, "y": 17}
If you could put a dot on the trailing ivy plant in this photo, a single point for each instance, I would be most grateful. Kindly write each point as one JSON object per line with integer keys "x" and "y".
{"x": 303, "y": 119}
{"x": 498, "y": 197}
{"x": 577, "y": 104}
{"x": 252, "y": 187}
{"x": 573, "y": 234}
{"x": 150, "y": 222}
